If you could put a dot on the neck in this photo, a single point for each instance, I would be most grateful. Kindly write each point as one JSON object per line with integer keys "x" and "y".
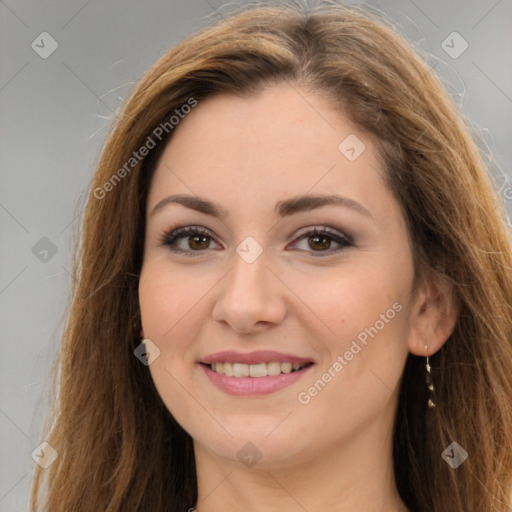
{"x": 355, "y": 476}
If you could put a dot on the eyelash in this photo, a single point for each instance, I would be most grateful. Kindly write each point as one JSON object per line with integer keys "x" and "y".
{"x": 169, "y": 238}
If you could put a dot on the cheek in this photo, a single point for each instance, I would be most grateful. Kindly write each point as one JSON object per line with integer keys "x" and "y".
{"x": 167, "y": 297}
{"x": 363, "y": 336}
{"x": 174, "y": 304}
{"x": 170, "y": 304}
{"x": 157, "y": 301}
{"x": 361, "y": 323}
{"x": 346, "y": 300}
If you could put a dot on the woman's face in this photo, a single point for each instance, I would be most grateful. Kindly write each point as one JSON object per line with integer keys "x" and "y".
{"x": 260, "y": 293}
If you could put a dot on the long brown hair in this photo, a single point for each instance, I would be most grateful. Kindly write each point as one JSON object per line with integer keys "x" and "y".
{"x": 119, "y": 447}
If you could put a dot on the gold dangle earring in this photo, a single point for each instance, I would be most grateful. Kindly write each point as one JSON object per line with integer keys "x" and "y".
{"x": 429, "y": 381}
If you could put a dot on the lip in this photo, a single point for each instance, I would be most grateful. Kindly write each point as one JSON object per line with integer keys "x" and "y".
{"x": 254, "y": 386}
{"x": 259, "y": 356}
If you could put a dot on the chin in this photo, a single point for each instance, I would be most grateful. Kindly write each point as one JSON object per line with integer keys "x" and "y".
{"x": 258, "y": 441}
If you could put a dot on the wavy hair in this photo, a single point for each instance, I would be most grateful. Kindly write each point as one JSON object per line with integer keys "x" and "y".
{"x": 119, "y": 447}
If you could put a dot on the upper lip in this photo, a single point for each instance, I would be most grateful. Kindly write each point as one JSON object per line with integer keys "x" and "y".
{"x": 260, "y": 356}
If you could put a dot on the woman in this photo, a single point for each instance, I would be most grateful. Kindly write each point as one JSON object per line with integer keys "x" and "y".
{"x": 292, "y": 217}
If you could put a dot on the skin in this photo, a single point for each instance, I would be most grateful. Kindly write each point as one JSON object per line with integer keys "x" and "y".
{"x": 246, "y": 154}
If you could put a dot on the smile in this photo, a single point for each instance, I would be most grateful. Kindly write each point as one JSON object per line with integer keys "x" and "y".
{"x": 256, "y": 370}
{"x": 254, "y": 379}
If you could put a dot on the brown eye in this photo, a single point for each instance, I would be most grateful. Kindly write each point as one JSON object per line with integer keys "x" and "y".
{"x": 198, "y": 242}
{"x": 323, "y": 241}
{"x": 319, "y": 242}
{"x": 188, "y": 240}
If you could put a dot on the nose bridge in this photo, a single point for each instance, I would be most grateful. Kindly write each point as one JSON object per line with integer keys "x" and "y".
{"x": 248, "y": 277}
{"x": 248, "y": 296}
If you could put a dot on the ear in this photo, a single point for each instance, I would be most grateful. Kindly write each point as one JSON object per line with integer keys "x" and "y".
{"x": 142, "y": 333}
{"x": 434, "y": 315}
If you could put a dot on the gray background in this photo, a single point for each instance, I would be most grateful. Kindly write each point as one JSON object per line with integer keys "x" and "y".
{"x": 54, "y": 115}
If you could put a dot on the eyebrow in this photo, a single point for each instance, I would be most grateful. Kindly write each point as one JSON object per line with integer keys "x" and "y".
{"x": 283, "y": 208}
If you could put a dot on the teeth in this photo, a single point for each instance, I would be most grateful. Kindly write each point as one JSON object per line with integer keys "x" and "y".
{"x": 240, "y": 370}
{"x": 286, "y": 367}
{"x": 255, "y": 370}
{"x": 273, "y": 368}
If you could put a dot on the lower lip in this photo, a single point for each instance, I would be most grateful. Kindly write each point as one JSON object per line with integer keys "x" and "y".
{"x": 254, "y": 386}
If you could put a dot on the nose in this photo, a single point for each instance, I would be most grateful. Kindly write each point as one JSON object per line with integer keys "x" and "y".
{"x": 251, "y": 298}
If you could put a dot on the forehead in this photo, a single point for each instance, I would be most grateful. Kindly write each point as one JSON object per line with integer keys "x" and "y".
{"x": 283, "y": 141}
